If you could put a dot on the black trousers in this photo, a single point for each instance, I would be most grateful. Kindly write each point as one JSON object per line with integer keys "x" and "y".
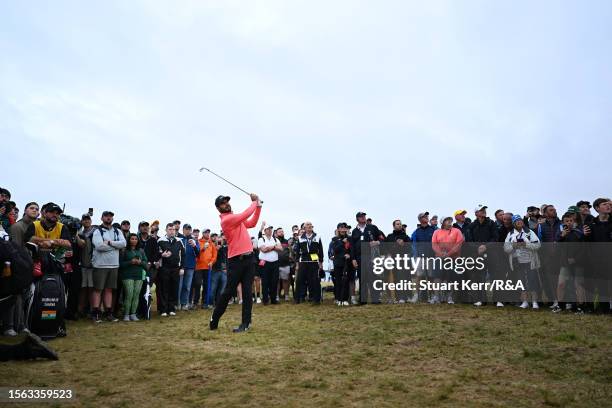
{"x": 309, "y": 272}
{"x": 269, "y": 281}
{"x": 240, "y": 269}
{"x": 199, "y": 284}
{"x": 168, "y": 279}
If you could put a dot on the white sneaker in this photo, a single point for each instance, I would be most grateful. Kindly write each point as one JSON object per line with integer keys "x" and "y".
{"x": 338, "y": 303}
{"x": 172, "y": 314}
{"x": 258, "y": 300}
{"x": 450, "y": 300}
{"x": 345, "y": 303}
{"x": 415, "y": 298}
{"x": 556, "y": 304}
{"x": 500, "y": 304}
{"x": 240, "y": 302}
{"x": 524, "y": 305}
{"x": 354, "y": 300}
{"x": 478, "y": 304}
{"x": 286, "y": 298}
{"x": 10, "y": 333}
{"x": 126, "y": 318}
{"x": 164, "y": 314}
{"x": 401, "y": 301}
{"x": 535, "y": 305}
{"x": 568, "y": 306}
{"x": 134, "y": 318}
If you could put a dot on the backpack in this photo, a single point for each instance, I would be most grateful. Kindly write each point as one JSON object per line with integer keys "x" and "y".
{"x": 16, "y": 276}
{"x": 99, "y": 228}
{"x": 48, "y": 304}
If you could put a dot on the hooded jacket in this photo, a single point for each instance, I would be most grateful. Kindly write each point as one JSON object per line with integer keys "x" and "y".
{"x": 106, "y": 256}
{"x": 532, "y": 244}
{"x": 206, "y": 256}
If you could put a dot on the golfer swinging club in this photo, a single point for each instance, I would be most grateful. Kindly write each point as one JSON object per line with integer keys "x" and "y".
{"x": 240, "y": 264}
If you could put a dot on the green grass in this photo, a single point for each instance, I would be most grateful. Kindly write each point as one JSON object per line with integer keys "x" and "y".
{"x": 375, "y": 355}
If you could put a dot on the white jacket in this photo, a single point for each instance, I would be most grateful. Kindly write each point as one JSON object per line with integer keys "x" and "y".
{"x": 532, "y": 243}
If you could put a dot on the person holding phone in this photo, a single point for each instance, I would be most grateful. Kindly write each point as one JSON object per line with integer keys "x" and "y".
{"x": 522, "y": 245}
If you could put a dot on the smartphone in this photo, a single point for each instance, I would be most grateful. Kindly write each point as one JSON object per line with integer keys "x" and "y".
{"x": 90, "y": 212}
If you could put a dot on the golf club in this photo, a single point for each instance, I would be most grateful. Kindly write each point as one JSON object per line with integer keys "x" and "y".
{"x": 226, "y": 180}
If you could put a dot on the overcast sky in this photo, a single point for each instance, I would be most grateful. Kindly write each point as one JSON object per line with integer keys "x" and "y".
{"x": 324, "y": 108}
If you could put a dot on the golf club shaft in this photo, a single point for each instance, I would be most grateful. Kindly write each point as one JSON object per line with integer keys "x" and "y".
{"x": 226, "y": 180}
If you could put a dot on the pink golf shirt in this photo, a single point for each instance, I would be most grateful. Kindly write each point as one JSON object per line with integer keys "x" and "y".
{"x": 235, "y": 227}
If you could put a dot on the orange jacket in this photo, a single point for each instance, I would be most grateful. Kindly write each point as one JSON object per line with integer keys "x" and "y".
{"x": 207, "y": 256}
{"x": 447, "y": 241}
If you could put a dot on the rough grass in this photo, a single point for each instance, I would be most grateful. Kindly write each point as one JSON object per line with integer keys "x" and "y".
{"x": 375, "y": 355}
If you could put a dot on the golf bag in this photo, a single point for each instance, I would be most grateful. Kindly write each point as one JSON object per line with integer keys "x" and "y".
{"x": 145, "y": 298}
{"x": 47, "y": 305}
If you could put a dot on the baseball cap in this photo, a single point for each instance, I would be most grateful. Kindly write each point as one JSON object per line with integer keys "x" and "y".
{"x": 186, "y": 226}
{"x": 480, "y": 207}
{"x": 583, "y": 202}
{"x": 105, "y": 213}
{"x": 532, "y": 208}
{"x": 221, "y": 199}
{"x": 52, "y": 207}
{"x": 125, "y": 222}
{"x": 516, "y": 218}
{"x": 141, "y": 223}
{"x": 268, "y": 227}
{"x": 421, "y": 215}
{"x": 360, "y": 214}
{"x": 342, "y": 225}
{"x": 573, "y": 209}
{"x": 85, "y": 217}
{"x": 456, "y": 213}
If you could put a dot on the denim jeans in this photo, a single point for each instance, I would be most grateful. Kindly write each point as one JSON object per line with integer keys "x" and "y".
{"x": 217, "y": 285}
{"x": 185, "y": 286}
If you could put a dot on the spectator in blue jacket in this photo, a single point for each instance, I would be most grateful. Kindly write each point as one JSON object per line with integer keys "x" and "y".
{"x": 421, "y": 246}
{"x": 549, "y": 232}
{"x": 192, "y": 250}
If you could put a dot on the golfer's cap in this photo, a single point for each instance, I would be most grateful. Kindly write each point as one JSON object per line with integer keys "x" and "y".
{"x": 221, "y": 199}
{"x": 480, "y": 207}
{"x": 456, "y": 213}
{"x": 106, "y": 213}
{"x": 423, "y": 214}
{"x": 342, "y": 225}
{"x": 360, "y": 214}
